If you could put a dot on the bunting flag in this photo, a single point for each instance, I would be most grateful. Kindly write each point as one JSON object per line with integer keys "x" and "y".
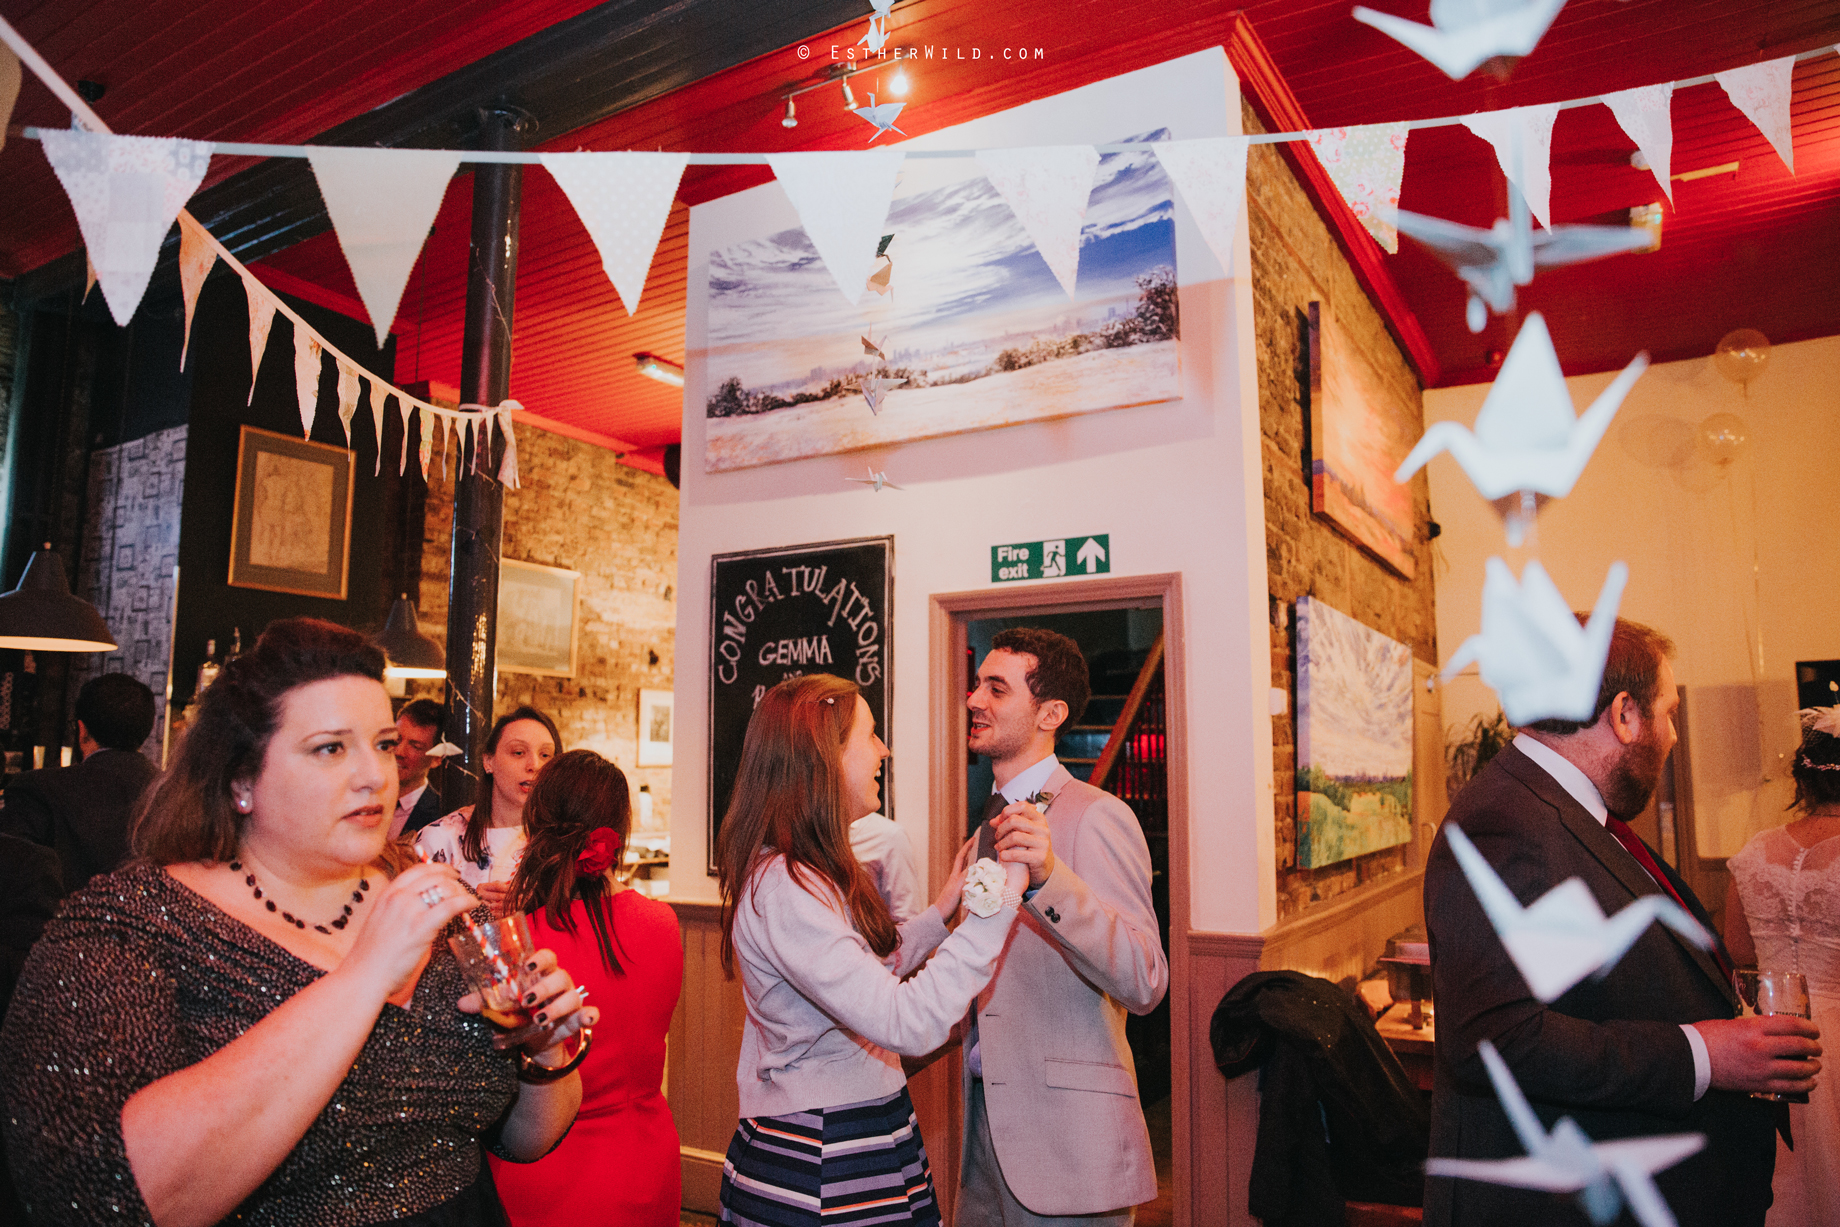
{"x": 196, "y": 256}
{"x": 842, "y": 201}
{"x": 382, "y": 203}
{"x": 348, "y": 397}
{"x": 307, "y": 353}
{"x": 1211, "y": 175}
{"x": 378, "y": 409}
{"x": 126, "y": 192}
{"x": 261, "y": 319}
{"x": 508, "y": 467}
{"x": 1762, "y": 92}
{"x": 623, "y": 199}
{"x": 1646, "y": 114}
{"x": 9, "y": 88}
{"x": 1366, "y": 164}
{"x": 424, "y": 451}
{"x": 1046, "y": 186}
{"x": 1522, "y": 137}
{"x": 402, "y": 463}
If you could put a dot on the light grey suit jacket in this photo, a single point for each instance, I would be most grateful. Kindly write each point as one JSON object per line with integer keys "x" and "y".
{"x": 1059, "y": 1087}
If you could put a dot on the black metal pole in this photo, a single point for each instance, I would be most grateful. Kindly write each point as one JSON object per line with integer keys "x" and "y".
{"x": 479, "y": 500}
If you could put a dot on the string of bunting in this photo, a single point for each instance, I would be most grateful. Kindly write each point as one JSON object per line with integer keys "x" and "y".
{"x": 128, "y": 190}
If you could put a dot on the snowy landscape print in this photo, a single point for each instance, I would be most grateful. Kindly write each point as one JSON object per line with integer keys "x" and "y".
{"x": 975, "y": 322}
{"x": 1354, "y": 738}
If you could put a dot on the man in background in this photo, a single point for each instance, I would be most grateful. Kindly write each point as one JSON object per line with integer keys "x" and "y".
{"x": 419, "y": 729}
{"x": 1653, "y": 1044}
{"x": 1054, "y": 1131}
{"x": 82, "y": 813}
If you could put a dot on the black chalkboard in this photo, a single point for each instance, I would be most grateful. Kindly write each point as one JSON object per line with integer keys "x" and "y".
{"x": 775, "y": 614}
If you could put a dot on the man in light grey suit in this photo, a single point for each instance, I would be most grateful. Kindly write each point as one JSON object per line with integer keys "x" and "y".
{"x": 1054, "y": 1132}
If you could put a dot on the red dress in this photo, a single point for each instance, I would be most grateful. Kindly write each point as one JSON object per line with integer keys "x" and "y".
{"x": 619, "y": 1164}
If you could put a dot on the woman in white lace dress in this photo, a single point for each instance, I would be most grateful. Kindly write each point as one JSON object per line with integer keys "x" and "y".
{"x": 1783, "y": 914}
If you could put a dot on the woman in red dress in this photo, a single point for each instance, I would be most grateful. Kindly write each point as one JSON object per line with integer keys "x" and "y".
{"x": 620, "y": 1163}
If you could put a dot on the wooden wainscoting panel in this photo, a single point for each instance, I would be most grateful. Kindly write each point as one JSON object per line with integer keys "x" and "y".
{"x": 1224, "y": 1116}
{"x": 705, "y": 1045}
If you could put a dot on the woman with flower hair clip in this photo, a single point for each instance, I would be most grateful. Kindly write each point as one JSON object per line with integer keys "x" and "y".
{"x": 620, "y": 1163}
{"x": 1782, "y": 913}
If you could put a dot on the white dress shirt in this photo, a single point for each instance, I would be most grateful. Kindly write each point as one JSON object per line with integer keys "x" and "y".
{"x": 1566, "y": 774}
{"x": 405, "y": 805}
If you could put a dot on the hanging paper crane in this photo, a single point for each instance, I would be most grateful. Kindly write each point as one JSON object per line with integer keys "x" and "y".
{"x": 882, "y": 116}
{"x": 1465, "y": 33}
{"x": 877, "y": 480}
{"x": 875, "y": 390}
{"x": 1603, "y": 1174}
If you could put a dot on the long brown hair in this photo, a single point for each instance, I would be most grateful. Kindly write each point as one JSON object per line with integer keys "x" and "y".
{"x": 473, "y": 838}
{"x": 791, "y": 800}
{"x": 187, "y": 815}
{"x": 574, "y": 794}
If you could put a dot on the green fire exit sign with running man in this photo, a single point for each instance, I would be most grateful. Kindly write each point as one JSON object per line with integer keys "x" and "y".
{"x": 1051, "y": 559}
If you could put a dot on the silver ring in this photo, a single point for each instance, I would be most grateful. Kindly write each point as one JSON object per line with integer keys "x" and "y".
{"x": 432, "y": 896}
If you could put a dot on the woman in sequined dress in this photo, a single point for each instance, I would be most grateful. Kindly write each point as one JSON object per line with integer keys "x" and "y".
{"x": 1783, "y": 914}
{"x": 255, "y": 1020}
{"x": 620, "y": 1165}
{"x": 485, "y": 839}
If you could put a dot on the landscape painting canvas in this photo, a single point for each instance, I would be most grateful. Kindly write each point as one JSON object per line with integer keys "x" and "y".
{"x": 1354, "y": 738}
{"x": 1359, "y": 435}
{"x": 974, "y": 332}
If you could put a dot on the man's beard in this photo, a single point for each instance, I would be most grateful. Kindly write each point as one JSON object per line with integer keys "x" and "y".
{"x": 1635, "y": 776}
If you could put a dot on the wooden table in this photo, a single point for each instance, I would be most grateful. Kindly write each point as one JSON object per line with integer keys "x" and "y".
{"x": 1413, "y": 1046}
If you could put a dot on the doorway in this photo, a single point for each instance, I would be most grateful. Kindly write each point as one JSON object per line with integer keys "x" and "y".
{"x": 1120, "y": 624}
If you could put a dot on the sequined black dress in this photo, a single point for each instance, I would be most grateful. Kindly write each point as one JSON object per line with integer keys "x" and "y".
{"x": 139, "y": 977}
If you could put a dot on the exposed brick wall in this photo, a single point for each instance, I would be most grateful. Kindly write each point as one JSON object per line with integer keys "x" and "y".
{"x": 580, "y": 509}
{"x": 1295, "y": 261}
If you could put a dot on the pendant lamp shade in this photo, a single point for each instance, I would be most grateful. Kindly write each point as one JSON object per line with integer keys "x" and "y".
{"x": 410, "y": 653}
{"x": 41, "y": 615}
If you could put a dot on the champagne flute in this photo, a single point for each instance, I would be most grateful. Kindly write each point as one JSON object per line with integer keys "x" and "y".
{"x": 1775, "y": 992}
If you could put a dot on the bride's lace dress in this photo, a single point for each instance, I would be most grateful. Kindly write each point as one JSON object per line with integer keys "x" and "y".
{"x": 1791, "y": 898}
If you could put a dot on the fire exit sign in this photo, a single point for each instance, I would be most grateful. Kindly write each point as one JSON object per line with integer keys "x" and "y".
{"x": 1051, "y": 559}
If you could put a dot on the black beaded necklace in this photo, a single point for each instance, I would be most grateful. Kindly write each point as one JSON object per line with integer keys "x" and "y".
{"x": 357, "y": 896}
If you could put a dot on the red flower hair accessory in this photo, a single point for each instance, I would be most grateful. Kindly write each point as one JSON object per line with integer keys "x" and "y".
{"x": 602, "y": 848}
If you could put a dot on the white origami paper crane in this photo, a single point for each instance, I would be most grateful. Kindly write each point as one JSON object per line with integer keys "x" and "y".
{"x": 446, "y": 749}
{"x": 878, "y": 480}
{"x": 1563, "y": 937}
{"x": 1532, "y": 652}
{"x": 1464, "y": 33}
{"x": 1527, "y": 438}
{"x": 1603, "y": 1174}
{"x": 875, "y": 390}
{"x": 1493, "y": 262}
{"x": 877, "y": 37}
{"x": 882, "y": 116}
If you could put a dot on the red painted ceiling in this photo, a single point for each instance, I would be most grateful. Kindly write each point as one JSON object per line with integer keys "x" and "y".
{"x": 1758, "y": 248}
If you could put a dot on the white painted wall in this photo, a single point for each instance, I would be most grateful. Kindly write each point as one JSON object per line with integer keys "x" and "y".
{"x": 1739, "y": 567}
{"x": 1177, "y": 486}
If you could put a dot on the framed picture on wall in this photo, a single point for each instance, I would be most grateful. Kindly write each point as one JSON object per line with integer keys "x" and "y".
{"x": 1360, "y": 432}
{"x": 655, "y": 728}
{"x": 290, "y": 526}
{"x": 537, "y": 608}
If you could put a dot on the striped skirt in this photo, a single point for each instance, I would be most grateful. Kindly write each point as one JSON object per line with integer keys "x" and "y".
{"x": 861, "y": 1163}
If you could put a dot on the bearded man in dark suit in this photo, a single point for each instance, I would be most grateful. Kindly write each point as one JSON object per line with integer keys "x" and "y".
{"x": 1653, "y": 1046}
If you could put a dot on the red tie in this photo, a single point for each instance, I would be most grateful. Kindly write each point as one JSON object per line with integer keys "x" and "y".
{"x": 1636, "y": 848}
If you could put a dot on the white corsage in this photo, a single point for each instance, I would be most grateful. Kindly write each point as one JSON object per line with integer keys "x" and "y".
{"x": 984, "y": 885}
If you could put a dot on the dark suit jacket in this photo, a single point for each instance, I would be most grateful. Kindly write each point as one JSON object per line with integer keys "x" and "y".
{"x": 427, "y": 809}
{"x": 79, "y": 812}
{"x": 1609, "y": 1053}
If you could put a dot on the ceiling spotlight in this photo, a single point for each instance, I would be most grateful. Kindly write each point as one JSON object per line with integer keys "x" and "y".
{"x": 849, "y": 99}
{"x": 663, "y": 369}
{"x": 790, "y": 119}
{"x": 897, "y": 84}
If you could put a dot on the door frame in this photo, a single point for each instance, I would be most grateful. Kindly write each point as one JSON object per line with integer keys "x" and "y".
{"x": 947, "y": 614}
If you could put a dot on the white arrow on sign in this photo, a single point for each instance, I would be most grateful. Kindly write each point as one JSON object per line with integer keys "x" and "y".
{"x": 1091, "y": 554}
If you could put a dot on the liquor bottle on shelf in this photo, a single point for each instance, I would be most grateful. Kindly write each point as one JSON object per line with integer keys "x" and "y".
{"x": 207, "y": 672}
